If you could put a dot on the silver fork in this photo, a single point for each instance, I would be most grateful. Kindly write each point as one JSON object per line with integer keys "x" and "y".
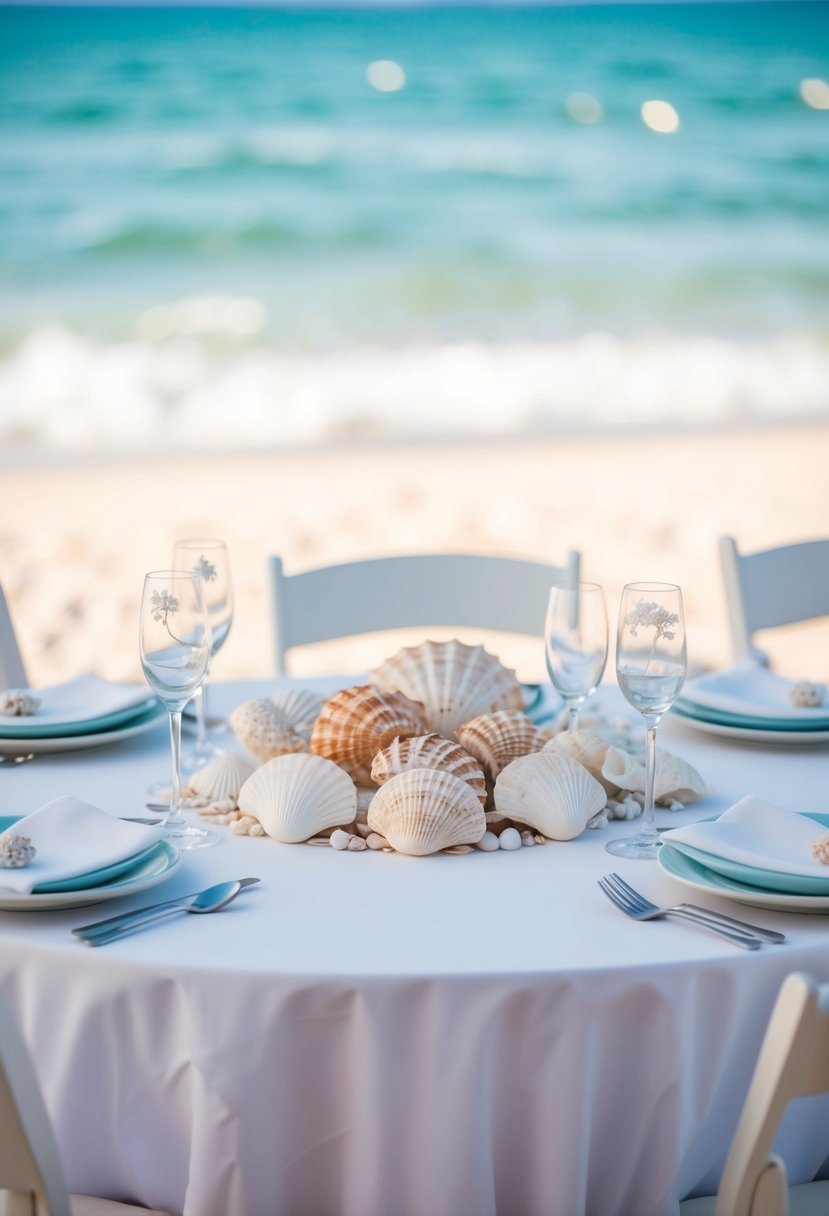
{"x": 765, "y": 935}
{"x": 635, "y": 910}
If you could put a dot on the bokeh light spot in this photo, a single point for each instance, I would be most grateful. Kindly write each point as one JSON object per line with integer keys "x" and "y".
{"x": 584, "y": 107}
{"x": 815, "y": 93}
{"x": 660, "y": 116}
{"x": 386, "y": 76}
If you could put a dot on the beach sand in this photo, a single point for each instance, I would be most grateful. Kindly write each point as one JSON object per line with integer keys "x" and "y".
{"x": 77, "y": 537}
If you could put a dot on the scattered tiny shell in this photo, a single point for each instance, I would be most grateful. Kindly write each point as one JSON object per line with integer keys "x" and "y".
{"x": 422, "y": 811}
{"x": 428, "y": 751}
{"x": 16, "y": 851}
{"x": 509, "y": 839}
{"x": 356, "y": 844}
{"x": 488, "y": 842}
{"x": 356, "y": 723}
{"x": 496, "y": 739}
{"x": 295, "y": 797}
{"x": 820, "y": 850}
{"x": 527, "y": 839}
{"x": 339, "y": 839}
{"x": 675, "y": 780}
{"x": 589, "y": 749}
{"x": 629, "y": 807}
{"x": 453, "y": 682}
{"x": 376, "y": 841}
{"x": 17, "y": 703}
{"x": 599, "y": 820}
{"x": 540, "y": 838}
{"x": 550, "y": 793}
{"x": 807, "y": 695}
{"x": 220, "y": 781}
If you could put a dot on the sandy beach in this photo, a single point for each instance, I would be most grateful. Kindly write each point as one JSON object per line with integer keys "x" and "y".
{"x": 77, "y": 536}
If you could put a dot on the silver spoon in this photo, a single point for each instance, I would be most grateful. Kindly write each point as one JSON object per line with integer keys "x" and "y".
{"x": 212, "y": 899}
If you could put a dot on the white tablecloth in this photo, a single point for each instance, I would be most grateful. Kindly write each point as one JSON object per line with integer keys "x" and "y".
{"x": 376, "y": 1035}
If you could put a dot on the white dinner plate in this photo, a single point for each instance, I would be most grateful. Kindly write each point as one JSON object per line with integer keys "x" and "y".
{"x": 699, "y": 878}
{"x": 71, "y": 743}
{"x": 148, "y": 872}
{"x": 780, "y": 737}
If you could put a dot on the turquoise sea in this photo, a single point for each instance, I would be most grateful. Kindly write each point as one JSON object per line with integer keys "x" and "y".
{"x": 214, "y": 228}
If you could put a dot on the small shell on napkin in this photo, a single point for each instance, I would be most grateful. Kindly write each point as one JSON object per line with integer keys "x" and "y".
{"x": 16, "y": 703}
{"x": 16, "y": 852}
{"x": 806, "y": 695}
{"x": 820, "y": 850}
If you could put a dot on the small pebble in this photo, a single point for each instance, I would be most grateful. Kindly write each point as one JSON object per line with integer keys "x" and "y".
{"x": 339, "y": 839}
{"x": 527, "y": 839}
{"x": 509, "y": 839}
{"x": 488, "y": 843}
{"x": 256, "y": 830}
{"x": 376, "y": 841}
{"x": 356, "y": 844}
{"x": 540, "y": 839}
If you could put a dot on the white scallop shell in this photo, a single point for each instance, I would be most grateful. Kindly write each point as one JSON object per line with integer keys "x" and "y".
{"x": 675, "y": 781}
{"x": 428, "y": 751}
{"x": 452, "y": 681}
{"x": 589, "y": 749}
{"x": 549, "y": 792}
{"x": 298, "y": 796}
{"x": 424, "y": 810}
{"x": 222, "y": 778}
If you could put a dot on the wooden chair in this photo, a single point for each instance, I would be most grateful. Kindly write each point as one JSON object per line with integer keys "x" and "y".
{"x": 12, "y": 671}
{"x": 498, "y": 593}
{"x": 32, "y": 1181}
{"x": 772, "y": 587}
{"x": 793, "y": 1063}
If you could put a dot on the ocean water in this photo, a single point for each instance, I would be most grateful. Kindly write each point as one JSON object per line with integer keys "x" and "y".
{"x": 215, "y": 230}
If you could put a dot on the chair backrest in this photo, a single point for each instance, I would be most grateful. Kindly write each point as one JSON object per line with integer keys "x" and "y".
{"x": 12, "y": 671}
{"x": 793, "y": 1063}
{"x": 773, "y": 587}
{"x": 463, "y": 590}
{"x": 30, "y": 1164}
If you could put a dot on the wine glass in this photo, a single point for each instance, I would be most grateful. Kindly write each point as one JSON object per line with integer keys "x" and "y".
{"x": 650, "y": 665}
{"x": 575, "y": 634}
{"x": 209, "y": 559}
{"x": 175, "y": 650}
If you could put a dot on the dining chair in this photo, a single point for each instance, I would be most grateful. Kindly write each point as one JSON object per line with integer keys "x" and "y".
{"x": 772, "y": 587}
{"x": 438, "y": 589}
{"x": 32, "y": 1181}
{"x": 793, "y": 1063}
{"x": 12, "y": 671}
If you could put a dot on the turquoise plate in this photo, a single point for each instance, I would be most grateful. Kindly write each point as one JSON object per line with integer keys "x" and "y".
{"x": 767, "y": 880}
{"x": 156, "y": 866}
{"x": 91, "y": 878}
{"x": 699, "y": 878}
{"x": 723, "y": 717}
{"x": 26, "y": 728}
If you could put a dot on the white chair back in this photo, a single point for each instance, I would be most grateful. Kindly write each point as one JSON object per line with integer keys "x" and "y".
{"x": 12, "y": 671}
{"x": 771, "y": 588}
{"x": 462, "y": 590}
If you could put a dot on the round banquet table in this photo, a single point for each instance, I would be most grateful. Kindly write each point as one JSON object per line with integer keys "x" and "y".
{"x": 371, "y": 1034}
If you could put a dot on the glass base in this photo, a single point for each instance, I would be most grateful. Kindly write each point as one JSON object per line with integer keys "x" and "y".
{"x": 193, "y": 838}
{"x": 640, "y": 848}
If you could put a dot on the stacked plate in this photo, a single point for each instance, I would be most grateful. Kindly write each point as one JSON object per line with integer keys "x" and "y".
{"x": 755, "y": 853}
{"x": 750, "y": 702}
{"x": 84, "y": 712}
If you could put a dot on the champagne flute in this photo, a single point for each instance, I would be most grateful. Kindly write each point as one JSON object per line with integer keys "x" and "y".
{"x": 651, "y": 664}
{"x": 174, "y": 640}
{"x": 209, "y": 559}
{"x": 575, "y": 634}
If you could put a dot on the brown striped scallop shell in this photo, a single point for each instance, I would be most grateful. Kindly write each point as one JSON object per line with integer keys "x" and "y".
{"x": 499, "y": 738}
{"x": 428, "y": 751}
{"x": 357, "y": 723}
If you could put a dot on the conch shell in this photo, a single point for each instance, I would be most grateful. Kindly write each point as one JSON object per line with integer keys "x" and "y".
{"x": 298, "y": 796}
{"x": 452, "y": 681}
{"x": 428, "y": 751}
{"x": 498, "y": 738}
{"x": 549, "y": 792}
{"x": 265, "y": 730}
{"x": 424, "y": 810}
{"x": 222, "y": 778}
{"x": 589, "y": 749}
{"x": 357, "y": 723}
{"x": 675, "y": 780}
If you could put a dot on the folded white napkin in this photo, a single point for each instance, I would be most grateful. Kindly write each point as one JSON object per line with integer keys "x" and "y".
{"x": 80, "y": 700}
{"x": 759, "y": 834}
{"x": 72, "y": 838}
{"x": 748, "y": 688}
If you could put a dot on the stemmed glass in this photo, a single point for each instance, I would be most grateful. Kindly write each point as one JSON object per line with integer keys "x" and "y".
{"x": 175, "y": 650}
{"x": 650, "y": 665}
{"x": 209, "y": 559}
{"x": 575, "y": 634}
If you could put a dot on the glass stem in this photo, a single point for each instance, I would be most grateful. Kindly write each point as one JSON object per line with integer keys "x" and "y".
{"x": 648, "y": 821}
{"x": 573, "y": 717}
{"x": 175, "y": 817}
{"x": 201, "y": 716}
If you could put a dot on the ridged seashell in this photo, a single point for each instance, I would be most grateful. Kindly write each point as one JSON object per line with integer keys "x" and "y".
{"x": 675, "y": 780}
{"x": 222, "y": 778}
{"x": 264, "y": 730}
{"x": 298, "y": 796}
{"x": 428, "y": 751}
{"x": 589, "y": 749}
{"x": 549, "y": 792}
{"x": 804, "y": 694}
{"x": 498, "y": 738}
{"x": 299, "y": 709}
{"x": 452, "y": 681}
{"x": 424, "y": 810}
{"x": 357, "y": 723}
